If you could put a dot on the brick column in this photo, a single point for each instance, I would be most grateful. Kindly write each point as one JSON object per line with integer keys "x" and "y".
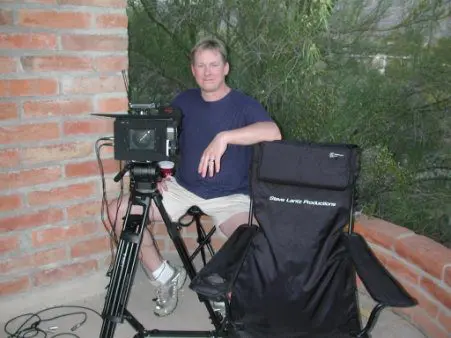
{"x": 61, "y": 61}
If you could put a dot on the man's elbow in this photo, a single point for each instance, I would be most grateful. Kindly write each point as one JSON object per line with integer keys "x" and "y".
{"x": 275, "y": 133}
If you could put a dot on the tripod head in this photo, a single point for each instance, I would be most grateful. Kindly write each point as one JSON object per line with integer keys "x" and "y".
{"x": 144, "y": 176}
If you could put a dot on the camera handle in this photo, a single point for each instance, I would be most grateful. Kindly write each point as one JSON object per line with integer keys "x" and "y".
{"x": 143, "y": 190}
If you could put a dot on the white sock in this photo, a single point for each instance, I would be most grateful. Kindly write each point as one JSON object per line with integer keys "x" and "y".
{"x": 164, "y": 273}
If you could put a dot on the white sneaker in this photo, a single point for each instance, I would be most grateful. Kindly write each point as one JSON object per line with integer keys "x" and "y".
{"x": 219, "y": 307}
{"x": 167, "y": 294}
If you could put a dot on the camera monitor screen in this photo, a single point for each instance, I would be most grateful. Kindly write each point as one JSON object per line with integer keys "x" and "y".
{"x": 143, "y": 139}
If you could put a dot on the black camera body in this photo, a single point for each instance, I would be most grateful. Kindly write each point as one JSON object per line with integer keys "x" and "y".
{"x": 146, "y": 133}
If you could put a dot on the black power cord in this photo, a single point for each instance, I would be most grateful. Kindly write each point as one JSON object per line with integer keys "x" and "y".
{"x": 31, "y": 325}
{"x": 108, "y": 223}
{"x": 110, "y": 226}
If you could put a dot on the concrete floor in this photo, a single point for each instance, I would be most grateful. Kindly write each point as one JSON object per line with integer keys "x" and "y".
{"x": 189, "y": 315}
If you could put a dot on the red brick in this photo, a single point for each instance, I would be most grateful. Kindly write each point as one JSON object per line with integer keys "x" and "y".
{"x": 113, "y": 188}
{"x": 87, "y": 209}
{"x": 112, "y": 21}
{"x": 93, "y": 85}
{"x": 53, "y": 19}
{"x": 14, "y": 286}
{"x": 447, "y": 276}
{"x": 92, "y": 126}
{"x": 430, "y": 326}
{"x": 9, "y": 158}
{"x": 110, "y": 63}
{"x": 163, "y": 245}
{"x": 95, "y": 3}
{"x": 94, "y": 43}
{"x": 8, "y": 65}
{"x": 6, "y": 17}
{"x": 442, "y": 294}
{"x": 380, "y": 232}
{"x": 159, "y": 228}
{"x": 66, "y": 193}
{"x": 57, "y": 107}
{"x": 190, "y": 243}
{"x": 31, "y": 220}
{"x": 57, "y": 152}
{"x": 28, "y": 41}
{"x": 107, "y": 152}
{"x": 218, "y": 242}
{"x": 398, "y": 267}
{"x": 8, "y": 110}
{"x": 112, "y": 105}
{"x": 55, "y": 63}
{"x": 91, "y": 246}
{"x": 28, "y": 87}
{"x": 18, "y": 179}
{"x": 424, "y": 252}
{"x": 91, "y": 168}
{"x": 10, "y": 202}
{"x": 444, "y": 318}
{"x": 63, "y": 273}
{"x": 424, "y": 301}
{"x": 33, "y": 260}
{"x": 8, "y": 244}
{"x": 63, "y": 233}
{"x": 29, "y": 133}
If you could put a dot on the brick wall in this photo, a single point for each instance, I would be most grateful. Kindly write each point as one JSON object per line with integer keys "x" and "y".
{"x": 421, "y": 265}
{"x": 61, "y": 61}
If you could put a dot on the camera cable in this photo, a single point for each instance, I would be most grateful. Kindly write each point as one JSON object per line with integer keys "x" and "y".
{"x": 31, "y": 325}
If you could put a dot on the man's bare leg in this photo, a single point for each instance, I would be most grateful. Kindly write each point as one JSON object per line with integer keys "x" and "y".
{"x": 149, "y": 253}
{"x": 227, "y": 228}
{"x": 232, "y": 223}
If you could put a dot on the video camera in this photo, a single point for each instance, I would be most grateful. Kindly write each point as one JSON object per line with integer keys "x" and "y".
{"x": 147, "y": 133}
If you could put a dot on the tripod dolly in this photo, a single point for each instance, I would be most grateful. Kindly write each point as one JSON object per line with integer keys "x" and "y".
{"x": 144, "y": 177}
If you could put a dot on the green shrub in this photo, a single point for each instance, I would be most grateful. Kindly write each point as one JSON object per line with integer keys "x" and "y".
{"x": 312, "y": 65}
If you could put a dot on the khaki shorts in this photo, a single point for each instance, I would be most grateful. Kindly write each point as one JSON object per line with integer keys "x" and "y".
{"x": 177, "y": 200}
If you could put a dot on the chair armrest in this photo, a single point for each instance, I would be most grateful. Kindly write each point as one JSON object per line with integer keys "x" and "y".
{"x": 381, "y": 285}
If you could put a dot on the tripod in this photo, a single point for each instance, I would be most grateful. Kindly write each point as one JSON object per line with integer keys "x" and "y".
{"x": 143, "y": 191}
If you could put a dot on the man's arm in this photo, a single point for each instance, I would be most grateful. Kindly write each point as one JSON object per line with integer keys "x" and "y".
{"x": 251, "y": 134}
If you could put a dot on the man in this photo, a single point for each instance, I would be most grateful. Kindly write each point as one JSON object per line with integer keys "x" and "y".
{"x": 219, "y": 125}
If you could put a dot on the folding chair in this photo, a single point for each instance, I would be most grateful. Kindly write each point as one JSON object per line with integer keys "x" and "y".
{"x": 294, "y": 275}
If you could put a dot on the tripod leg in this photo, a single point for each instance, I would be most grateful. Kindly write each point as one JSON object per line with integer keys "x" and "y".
{"x": 123, "y": 272}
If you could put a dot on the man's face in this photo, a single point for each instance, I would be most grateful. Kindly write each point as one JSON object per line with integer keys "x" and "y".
{"x": 209, "y": 70}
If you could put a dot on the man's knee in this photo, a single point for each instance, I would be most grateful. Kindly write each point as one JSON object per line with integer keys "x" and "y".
{"x": 232, "y": 223}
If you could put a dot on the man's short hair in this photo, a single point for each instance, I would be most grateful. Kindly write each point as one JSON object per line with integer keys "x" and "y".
{"x": 210, "y": 44}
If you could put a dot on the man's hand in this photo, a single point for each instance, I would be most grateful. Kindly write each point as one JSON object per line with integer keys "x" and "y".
{"x": 210, "y": 160}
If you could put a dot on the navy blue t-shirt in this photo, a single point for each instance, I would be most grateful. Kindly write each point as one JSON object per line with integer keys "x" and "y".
{"x": 201, "y": 122}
